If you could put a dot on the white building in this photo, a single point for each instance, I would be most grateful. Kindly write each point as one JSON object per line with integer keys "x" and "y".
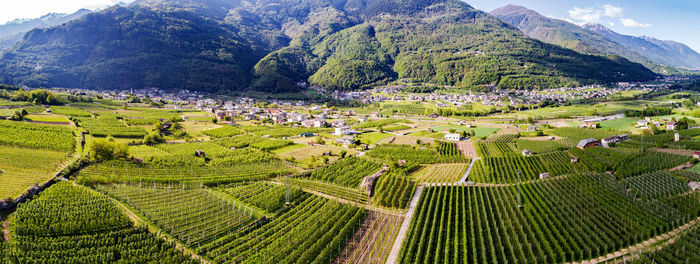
{"x": 453, "y": 137}
{"x": 341, "y": 131}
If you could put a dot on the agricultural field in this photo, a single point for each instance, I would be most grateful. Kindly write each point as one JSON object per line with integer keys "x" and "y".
{"x": 87, "y": 227}
{"x": 110, "y": 125}
{"x": 36, "y": 136}
{"x": 479, "y": 131}
{"x": 584, "y": 216}
{"x": 265, "y": 196}
{"x": 21, "y": 168}
{"x": 684, "y": 249}
{"x": 372, "y": 242}
{"x": 505, "y": 169}
{"x": 372, "y": 138}
{"x": 440, "y": 173}
{"x": 346, "y": 172}
{"x": 195, "y": 216}
{"x": 622, "y": 124}
{"x": 417, "y": 154}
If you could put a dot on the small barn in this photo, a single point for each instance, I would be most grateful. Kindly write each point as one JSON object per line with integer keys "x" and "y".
{"x": 588, "y": 143}
{"x": 526, "y": 152}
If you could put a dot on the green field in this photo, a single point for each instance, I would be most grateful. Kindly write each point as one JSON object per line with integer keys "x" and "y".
{"x": 623, "y": 124}
{"x": 479, "y": 131}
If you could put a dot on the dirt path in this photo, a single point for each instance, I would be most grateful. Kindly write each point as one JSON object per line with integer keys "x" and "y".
{"x": 682, "y": 152}
{"x": 640, "y": 246}
{"x": 466, "y": 173}
{"x": 5, "y": 236}
{"x": 394, "y": 254}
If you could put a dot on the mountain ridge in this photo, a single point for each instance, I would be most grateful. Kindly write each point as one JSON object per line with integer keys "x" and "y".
{"x": 271, "y": 45}
{"x": 598, "y": 39}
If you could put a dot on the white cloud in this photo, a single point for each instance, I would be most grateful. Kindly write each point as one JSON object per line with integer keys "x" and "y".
{"x": 585, "y": 15}
{"x": 602, "y": 14}
{"x": 628, "y": 22}
{"x": 612, "y": 11}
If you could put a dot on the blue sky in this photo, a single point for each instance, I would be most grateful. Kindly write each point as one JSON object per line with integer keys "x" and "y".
{"x": 677, "y": 20}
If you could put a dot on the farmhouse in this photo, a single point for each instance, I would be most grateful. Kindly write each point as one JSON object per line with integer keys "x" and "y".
{"x": 346, "y": 140}
{"x": 671, "y": 125}
{"x": 614, "y": 139}
{"x": 527, "y": 153}
{"x": 453, "y": 137}
{"x": 544, "y": 175}
{"x": 696, "y": 154}
{"x": 694, "y": 185}
{"x": 340, "y": 131}
{"x": 588, "y": 143}
{"x": 642, "y": 123}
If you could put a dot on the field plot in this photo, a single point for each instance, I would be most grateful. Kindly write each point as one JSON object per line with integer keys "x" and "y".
{"x": 194, "y": 216}
{"x": 501, "y": 138}
{"x": 315, "y": 231}
{"x": 559, "y": 163}
{"x": 372, "y": 138}
{"x": 478, "y": 131}
{"x": 505, "y": 169}
{"x": 583, "y": 133}
{"x": 441, "y": 173}
{"x": 413, "y": 154}
{"x": 619, "y": 124}
{"x": 346, "y": 172}
{"x": 394, "y": 190}
{"x": 71, "y": 224}
{"x": 647, "y": 162}
{"x": 265, "y": 196}
{"x": 656, "y": 185}
{"x": 21, "y": 168}
{"x": 540, "y": 146}
{"x": 346, "y": 193}
{"x": 408, "y": 140}
{"x": 224, "y": 131}
{"x": 467, "y": 149}
{"x": 257, "y": 142}
{"x": 129, "y": 172}
{"x": 683, "y": 249}
{"x": 496, "y": 149}
{"x": 36, "y": 136}
{"x": 372, "y": 242}
{"x": 565, "y": 219}
{"x": 109, "y": 125}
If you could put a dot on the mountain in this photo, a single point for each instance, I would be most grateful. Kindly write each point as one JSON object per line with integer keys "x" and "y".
{"x": 12, "y": 32}
{"x": 597, "y": 39}
{"x": 271, "y": 45}
{"x": 659, "y": 51}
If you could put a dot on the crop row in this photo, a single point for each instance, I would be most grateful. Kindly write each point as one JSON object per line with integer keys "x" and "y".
{"x": 264, "y": 195}
{"x": 656, "y": 185}
{"x": 346, "y": 193}
{"x": 567, "y": 219}
{"x": 441, "y": 173}
{"x": 312, "y": 232}
{"x": 110, "y": 125}
{"x": 347, "y": 172}
{"x": 28, "y": 135}
{"x": 421, "y": 155}
{"x": 195, "y": 216}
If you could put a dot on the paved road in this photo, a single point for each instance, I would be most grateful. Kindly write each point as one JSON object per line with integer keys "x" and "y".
{"x": 466, "y": 173}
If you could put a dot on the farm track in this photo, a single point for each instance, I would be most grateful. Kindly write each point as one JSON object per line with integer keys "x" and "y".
{"x": 394, "y": 253}
{"x": 467, "y": 149}
{"x": 466, "y": 173}
{"x": 682, "y": 152}
{"x": 640, "y": 246}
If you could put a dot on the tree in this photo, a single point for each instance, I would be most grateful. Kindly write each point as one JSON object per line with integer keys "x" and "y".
{"x": 343, "y": 153}
{"x": 107, "y": 149}
{"x": 152, "y": 138}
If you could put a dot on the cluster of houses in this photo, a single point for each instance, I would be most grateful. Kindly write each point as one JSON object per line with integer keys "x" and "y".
{"x": 670, "y": 125}
{"x": 605, "y": 142}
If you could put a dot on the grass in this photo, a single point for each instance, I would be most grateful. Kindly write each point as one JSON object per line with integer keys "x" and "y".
{"x": 145, "y": 152}
{"x": 479, "y": 131}
{"x": 619, "y": 124}
{"x": 24, "y": 167}
{"x": 435, "y": 135}
{"x": 695, "y": 168}
{"x": 308, "y": 151}
{"x": 46, "y": 118}
{"x": 580, "y": 110}
{"x": 289, "y": 148}
{"x": 372, "y": 137}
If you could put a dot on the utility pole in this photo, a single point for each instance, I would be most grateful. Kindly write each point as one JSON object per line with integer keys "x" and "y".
{"x": 520, "y": 205}
{"x": 286, "y": 173}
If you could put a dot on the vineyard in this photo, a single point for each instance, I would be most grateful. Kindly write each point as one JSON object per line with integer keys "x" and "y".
{"x": 109, "y": 125}
{"x": 505, "y": 169}
{"x": 345, "y": 193}
{"x": 70, "y": 224}
{"x": 539, "y": 147}
{"x": 346, "y": 172}
{"x": 656, "y": 185}
{"x": 440, "y": 173}
{"x": 395, "y": 188}
{"x": 684, "y": 249}
{"x": 501, "y": 138}
{"x": 647, "y": 162}
{"x": 36, "y": 136}
{"x": 567, "y": 219}
{"x": 583, "y": 133}
{"x": 253, "y": 141}
{"x": 222, "y": 132}
{"x": 315, "y": 231}
{"x": 264, "y": 195}
{"x": 195, "y": 216}
{"x": 412, "y": 154}
{"x": 69, "y": 111}
{"x": 119, "y": 172}
{"x": 22, "y": 168}
{"x": 487, "y": 149}
{"x": 379, "y": 123}
{"x": 372, "y": 242}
